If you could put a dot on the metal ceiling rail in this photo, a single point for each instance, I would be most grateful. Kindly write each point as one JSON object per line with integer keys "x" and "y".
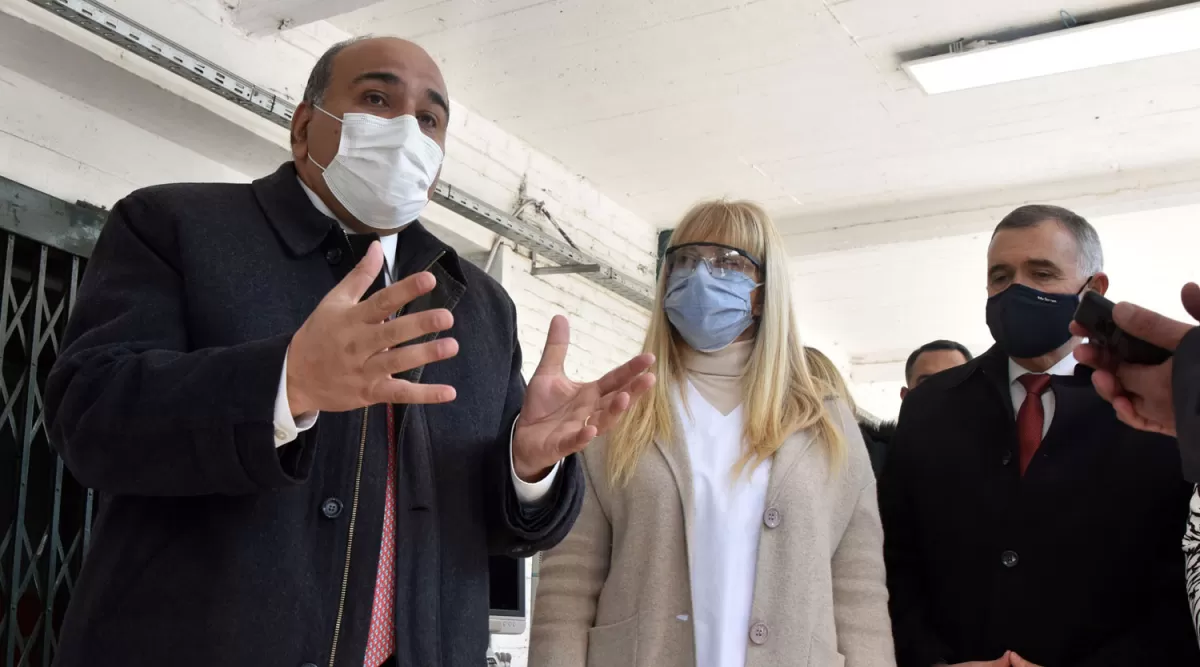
{"x": 135, "y": 38}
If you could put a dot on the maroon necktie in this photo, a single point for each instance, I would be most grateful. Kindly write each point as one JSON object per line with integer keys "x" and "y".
{"x": 1031, "y": 417}
{"x": 381, "y": 637}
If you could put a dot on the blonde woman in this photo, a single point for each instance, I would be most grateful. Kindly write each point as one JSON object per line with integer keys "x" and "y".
{"x": 730, "y": 519}
{"x": 876, "y": 434}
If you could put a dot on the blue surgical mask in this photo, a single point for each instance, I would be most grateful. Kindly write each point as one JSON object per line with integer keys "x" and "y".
{"x": 709, "y": 312}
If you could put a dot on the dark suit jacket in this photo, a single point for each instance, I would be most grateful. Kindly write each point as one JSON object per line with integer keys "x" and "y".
{"x": 1077, "y": 564}
{"x": 1185, "y": 380}
{"x": 211, "y": 547}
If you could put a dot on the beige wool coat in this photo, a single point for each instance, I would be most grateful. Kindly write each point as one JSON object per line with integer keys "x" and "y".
{"x": 617, "y": 591}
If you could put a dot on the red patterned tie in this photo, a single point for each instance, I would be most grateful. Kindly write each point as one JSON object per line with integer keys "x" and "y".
{"x": 381, "y": 639}
{"x": 1031, "y": 417}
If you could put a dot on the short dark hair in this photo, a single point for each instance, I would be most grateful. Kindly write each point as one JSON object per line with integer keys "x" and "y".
{"x": 322, "y": 72}
{"x": 1087, "y": 241}
{"x": 935, "y": 346}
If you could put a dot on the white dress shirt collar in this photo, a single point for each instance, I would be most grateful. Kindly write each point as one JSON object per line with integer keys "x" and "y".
{"x": 1017, "y": 392}
{"x": 388, "y": 242}
{"x": 1065, "y": 366}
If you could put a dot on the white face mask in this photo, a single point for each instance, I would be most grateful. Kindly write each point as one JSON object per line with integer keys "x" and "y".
{"x": 383, "y": 168}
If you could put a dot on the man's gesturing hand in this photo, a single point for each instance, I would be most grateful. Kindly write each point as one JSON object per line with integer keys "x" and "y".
{"x": 345, "y": 354}
{"x": 561, "y": 417}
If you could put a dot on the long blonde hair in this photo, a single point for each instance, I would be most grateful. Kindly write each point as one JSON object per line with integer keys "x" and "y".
{"x": 780, "y": 397}
{"x": 827, "y": 377}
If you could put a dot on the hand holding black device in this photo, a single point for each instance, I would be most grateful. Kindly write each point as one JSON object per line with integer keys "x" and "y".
{"x": 1095, "y": 315}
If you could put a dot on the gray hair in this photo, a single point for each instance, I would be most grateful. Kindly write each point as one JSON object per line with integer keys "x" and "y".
{"x": 322, "y": 72}
{"x": 1090, "y": 256}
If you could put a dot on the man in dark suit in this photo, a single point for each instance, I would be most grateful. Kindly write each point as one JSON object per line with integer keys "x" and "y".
{"x": 1025, "y": 524}
{"x": 290, "y": 473}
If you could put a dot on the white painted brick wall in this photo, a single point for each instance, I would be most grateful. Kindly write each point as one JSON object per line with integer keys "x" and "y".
{"x": 59, "y": 145}
{"x": 491, "y": 164}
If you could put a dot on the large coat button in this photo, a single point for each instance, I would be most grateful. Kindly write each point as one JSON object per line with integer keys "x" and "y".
{"x": 759, "y": 633}
{"x": 331, "y": 508}
{"x": 1009, "y": 559}
{"x": 333, "y": 256}
{"x": 772, "y": 517}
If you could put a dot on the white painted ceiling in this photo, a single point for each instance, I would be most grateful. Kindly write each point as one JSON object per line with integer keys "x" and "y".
{"x": 797, "y": 103}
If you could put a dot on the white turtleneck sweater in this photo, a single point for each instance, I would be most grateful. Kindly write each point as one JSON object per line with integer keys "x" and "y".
{"x": 727, "y": 511}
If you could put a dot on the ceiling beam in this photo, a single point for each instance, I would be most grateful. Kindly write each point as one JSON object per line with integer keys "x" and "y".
{"x": 1110, "y": 194}
{"x": 260, "y": 17}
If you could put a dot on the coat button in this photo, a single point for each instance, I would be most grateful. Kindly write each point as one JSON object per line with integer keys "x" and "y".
{"x": 759, "y": 632}
{"x": 1006, "y": 458}
{"x": 308, "y": 664}
{"x": 333, "y": 255}
{"x": 772, "y": 517}
{"x": 1009, "y": 559}
{"x": 331, "y": 508}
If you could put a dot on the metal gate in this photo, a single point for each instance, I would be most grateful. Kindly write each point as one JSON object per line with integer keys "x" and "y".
{"x": 45, "y": 515}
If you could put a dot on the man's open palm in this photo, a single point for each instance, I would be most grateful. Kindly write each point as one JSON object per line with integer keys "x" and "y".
{"x": 561, "y": 416}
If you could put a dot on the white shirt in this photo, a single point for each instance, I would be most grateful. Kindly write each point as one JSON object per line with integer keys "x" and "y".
{"x": 288, "y": 428}
{"x": 724, "y": 542}
{"x": 1064, "y": 367}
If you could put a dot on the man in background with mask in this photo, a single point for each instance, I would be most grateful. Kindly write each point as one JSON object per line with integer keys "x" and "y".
{"x": 1025, "y": 524}
{"x": 304, "y": 413}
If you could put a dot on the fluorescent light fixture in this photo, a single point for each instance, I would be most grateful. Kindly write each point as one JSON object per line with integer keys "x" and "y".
{"x": 1159, "y": 33}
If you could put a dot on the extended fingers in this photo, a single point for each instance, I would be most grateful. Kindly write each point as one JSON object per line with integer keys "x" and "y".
{"x": 622, "y": 375}
{"x": 389, "y": 300}
{"x": 558, "y": 341}
{"x": 359, "y": 280}
{"x": 611, "y": 409}
{"x": 403, "y": 392}
{"x": 614, "y": 405}
{"x": 402, "y": 359}
{"x": 407, "y": 328}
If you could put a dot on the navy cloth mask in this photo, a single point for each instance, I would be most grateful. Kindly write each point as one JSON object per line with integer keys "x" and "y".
{"x": 1028, "y": 323}
{"x": 709, "y": 312}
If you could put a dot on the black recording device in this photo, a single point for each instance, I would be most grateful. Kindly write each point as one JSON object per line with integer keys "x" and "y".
{"x": 1095, "y": 315}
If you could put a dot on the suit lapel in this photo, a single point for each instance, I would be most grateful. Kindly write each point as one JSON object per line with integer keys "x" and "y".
{"x": 994, "y": 366}
{"x": 1073, "y": 397}
{"x": 300, "y": 226}
{"x": 675, "y": 453}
